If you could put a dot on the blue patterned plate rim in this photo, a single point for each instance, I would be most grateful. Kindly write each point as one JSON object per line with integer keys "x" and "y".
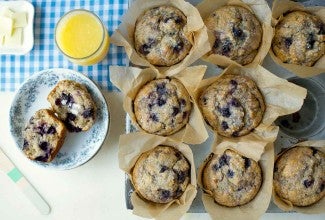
{"x": 81, "y": 147}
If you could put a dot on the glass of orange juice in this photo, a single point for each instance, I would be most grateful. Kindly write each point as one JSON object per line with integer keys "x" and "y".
{"x": 81, "y": 36}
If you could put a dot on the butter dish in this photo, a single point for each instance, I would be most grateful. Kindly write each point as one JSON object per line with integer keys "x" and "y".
{"x": 27, "y": 35}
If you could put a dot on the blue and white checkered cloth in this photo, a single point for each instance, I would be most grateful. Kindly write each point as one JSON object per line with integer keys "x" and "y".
{"x": 15, "y": 69}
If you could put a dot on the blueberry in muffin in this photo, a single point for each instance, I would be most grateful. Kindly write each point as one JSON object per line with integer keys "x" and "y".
{"x": 299, "y": 176}
{"x": 159, "y": 36}
{"x": 161, "y": 175}
{"x": 299, "y": 39}
{"x": 232, "y": 179}
{"x": 43, "y": 136}
{"x": 74, "y": 105}
{"x": 162, "y": 106}
{"x": 233, "y": 105}
{"x": 237, "y": 32}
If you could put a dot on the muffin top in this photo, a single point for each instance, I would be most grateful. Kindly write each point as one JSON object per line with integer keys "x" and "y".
{"x": 237, "y": 33}
{"x": 232, "y": 179}
{"x": 162, "y": 106}
{"x": 299, "y": 39}
{"x": 159, "y": 36}
{"x": 73, "y": 104}
{"x": 299, "y": 176}
{"x": 233, "y": 105}
{"x": 161, "y": 175}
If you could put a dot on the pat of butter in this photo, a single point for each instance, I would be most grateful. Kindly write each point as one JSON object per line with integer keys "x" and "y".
{"x": 76, "y": 108}
{"x": 2, "y": 39}
{"x": 11, "y": 24}
{"x": 15, "y": 39}
{"x": 20, "y": 41}
{"x": 6, "y": 26}
{"x": 20, "y": 19}
{"x": 6, "y": 12}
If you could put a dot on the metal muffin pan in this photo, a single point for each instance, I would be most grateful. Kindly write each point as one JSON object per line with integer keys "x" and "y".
{"x": 307, "y": 124}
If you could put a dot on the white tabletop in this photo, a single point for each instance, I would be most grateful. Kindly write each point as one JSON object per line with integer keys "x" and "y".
{"x": 93, "y": 191}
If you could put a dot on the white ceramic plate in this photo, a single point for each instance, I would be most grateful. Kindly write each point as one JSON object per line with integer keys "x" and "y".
{"x": 28, "y": 32}
{"x": 79, "y": 147}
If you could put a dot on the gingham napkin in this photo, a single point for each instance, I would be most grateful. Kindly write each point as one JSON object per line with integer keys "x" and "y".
{"x": 15, "y": 69}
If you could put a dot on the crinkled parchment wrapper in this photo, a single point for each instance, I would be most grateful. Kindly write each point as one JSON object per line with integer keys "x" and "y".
{"x": 131, "y": 79}
{"x": 258, "y": 206}
{"x": 195, "y": 30}
{"x": 286, "y": 205}
{"x": 280, "y": 96}
{"x": 278, "y": 9}
{"x": 131, "y": 146}
{"x": 263, "y": 13}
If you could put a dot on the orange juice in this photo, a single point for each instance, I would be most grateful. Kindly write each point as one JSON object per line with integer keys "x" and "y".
{"x": 81, "y": 36}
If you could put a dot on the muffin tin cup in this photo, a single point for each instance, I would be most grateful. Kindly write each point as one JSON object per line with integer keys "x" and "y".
{"x": 280, "y": 96}
{"x": 278, "y": 9}
{"x": 131, "y": 146}
{"x": 195, "y": 30}
{"x": 130, "y": 79}
{"x": 286, "y": 205}
{"x": 259, "y": 8}
{"x": 309, "y": 121}
{"x": 255, "y": 208}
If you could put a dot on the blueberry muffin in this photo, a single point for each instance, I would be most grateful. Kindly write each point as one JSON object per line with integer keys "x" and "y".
{"x": 299, "y": 39}
{"x": 161, "y": 175}
{"x": 159, "y": 36}
{"x": 74, "y": 105}
{"x": 233, "y": 105}
{"x": 232, "y": 179}
{"x": 237, "y": 32}
{"x": 299, "y": 176}
{"x": 43, "y": 136}
{"x": 162, "y": 106}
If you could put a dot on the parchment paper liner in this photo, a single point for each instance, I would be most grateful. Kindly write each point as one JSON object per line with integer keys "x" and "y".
{"x": 263, "y": 13}
{"x": 131, "y": 146}
{"x": 255, "y": 208}
{"x": 278, "y": 9}
{"x": 286, "y": 205}
{"x": 280, "y": 96}
{"x": 195, "y": 30}
{"x": 131, "y": 79}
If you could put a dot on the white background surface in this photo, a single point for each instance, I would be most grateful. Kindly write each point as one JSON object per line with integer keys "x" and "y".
{"x": 93, "y": 191}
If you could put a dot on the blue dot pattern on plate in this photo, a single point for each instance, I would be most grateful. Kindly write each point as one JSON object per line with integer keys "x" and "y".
{"x": 31, "y": 96}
